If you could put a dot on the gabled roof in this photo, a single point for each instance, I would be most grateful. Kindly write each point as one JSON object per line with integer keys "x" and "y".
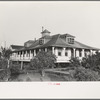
{"x": 45, "y": 31}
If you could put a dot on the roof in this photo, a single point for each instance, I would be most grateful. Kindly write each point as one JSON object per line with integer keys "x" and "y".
{"x": 81, "y": 45}
{"x": 16, "y": 46}
{"x": 57, "y": 41}
{"x": 30, "y": 41}
{"x": 68, "y": 35}
{"x": 45, "y": 31}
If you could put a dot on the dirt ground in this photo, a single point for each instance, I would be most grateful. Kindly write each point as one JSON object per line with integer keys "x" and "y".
{"x": 37, "y": 77}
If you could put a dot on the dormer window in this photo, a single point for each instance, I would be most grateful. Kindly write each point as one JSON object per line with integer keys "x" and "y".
{"x": 41, "y": 41}
{"x": 71, "y": 40}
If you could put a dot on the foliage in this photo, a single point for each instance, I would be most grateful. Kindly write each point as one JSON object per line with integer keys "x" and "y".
{"x": 4, "y": 74}
{"x": 92, "y": 62}
{"x": 43, "y": 60}
{"x": 15, "y": 69}
{"x": 5, "y": 53}
{"x": 3, "y": 63}
{"x": 75, "y": 62}
{"x": 82, "y": 74}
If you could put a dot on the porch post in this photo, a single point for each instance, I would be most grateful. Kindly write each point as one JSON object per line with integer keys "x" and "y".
{"x": 63, "y": 52}
{"x": 53, "y": 50}
{"x": 74, "y": 52}
{"x": 91, "y": 52}
{"x": 19, "y": 55}
{"x": 83, "y": 55}
{"x": 69, "y": 52}
{"x": 45, "y": 49}
{"x": 21, "y": 65}
{"x": 34, "y": 52}
{"x": 56, "y": 52}
{"x": 30, "y": 54}
{"x": 77, "y": 53}
{"x": 39, "y": 49}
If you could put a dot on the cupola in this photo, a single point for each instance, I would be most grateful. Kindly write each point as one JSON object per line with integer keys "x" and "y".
{"x": 45, "y": 32}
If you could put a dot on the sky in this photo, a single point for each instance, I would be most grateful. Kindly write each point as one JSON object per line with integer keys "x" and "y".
{"x": 21, "y": 21}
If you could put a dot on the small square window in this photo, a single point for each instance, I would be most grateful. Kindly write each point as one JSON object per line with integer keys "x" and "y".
{"x": 59, "y": 53}
{"x": 80, "y": 53}
{"x": 66, "y": 53}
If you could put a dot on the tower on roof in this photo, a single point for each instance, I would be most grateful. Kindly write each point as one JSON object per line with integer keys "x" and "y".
{"x": 45, "y": 32}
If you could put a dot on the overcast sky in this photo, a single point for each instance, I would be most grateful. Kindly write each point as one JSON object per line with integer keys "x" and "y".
{"x": 21, "y": 21}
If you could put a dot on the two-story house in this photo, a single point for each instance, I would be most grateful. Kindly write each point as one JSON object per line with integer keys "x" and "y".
{"x": 64, "y": 46}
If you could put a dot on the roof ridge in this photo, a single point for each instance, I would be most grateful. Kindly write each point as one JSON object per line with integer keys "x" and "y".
{"x": 57, "y": 37}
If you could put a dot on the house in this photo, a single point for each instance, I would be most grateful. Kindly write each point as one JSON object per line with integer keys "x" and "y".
{"x": 64, "y": 46}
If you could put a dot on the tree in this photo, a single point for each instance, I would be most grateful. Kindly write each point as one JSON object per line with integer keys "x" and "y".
{"x": 43, "y": 60}
{"x": 83, "y": 74}
{"x": 5, "y": 54}
{"x": 92, "y": 62}
{"x": 75, "y": 62}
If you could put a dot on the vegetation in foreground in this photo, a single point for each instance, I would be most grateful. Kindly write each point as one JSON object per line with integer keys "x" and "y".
{"x": 86, "y": 70}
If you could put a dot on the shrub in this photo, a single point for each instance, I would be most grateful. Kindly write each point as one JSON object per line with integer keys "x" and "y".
{"x": 28, "y": 79}
{"x": 15, "y": 69}
{"x": 3, "y": 63}
{"x": 82, "y": 74}
{"x": 43, "y": 60}
{"x": 4, "y": 74}
{"x": 92, "y": 62}
{"x": 75, "y": 62}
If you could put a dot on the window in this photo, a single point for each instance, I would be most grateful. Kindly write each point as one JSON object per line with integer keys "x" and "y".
{"x": 41, "y": 41}
{"x": 85, "y": 54}
{"x": 66, "y": 53}
{"x": 59, "y": 53}
{"x": 71, "y": 40}
{"x": 80, "y": 53}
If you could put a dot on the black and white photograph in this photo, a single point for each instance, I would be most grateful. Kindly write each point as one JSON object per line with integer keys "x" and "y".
{"x": 48, "y": 41}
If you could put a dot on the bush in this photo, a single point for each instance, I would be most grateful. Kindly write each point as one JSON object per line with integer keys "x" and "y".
{"x": 82, "y": 74}
{"x": 15, "y": 69}
{"x": 4, "y": 74}
{"x": 3, "y": 63}
{"x": 92, "y": 62}
{"x": 75, "y": 62}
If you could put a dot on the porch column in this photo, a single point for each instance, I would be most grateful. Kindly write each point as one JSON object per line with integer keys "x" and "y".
{"x": 74, "y": 52}
{"x": 30, "y": 54}
{"x": 63, "y": 52}
{"x": 26, "y": 53}
{"x": 19, "y": 55}
{"x": 53, "y": 50}
{"x": 91, "y": 52}
{"x": 22, "y": 54}
{"x": 45, "y": 49}
{"x": 77, "y": 53}
{"x": 83, "y": 54}
{"x": 69, "y": 52}
{"x": 21, "y": 65}
{"x": 34, "y": 52}
{"x": 56, "y": 52}
{"x": 39, "y": 49}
